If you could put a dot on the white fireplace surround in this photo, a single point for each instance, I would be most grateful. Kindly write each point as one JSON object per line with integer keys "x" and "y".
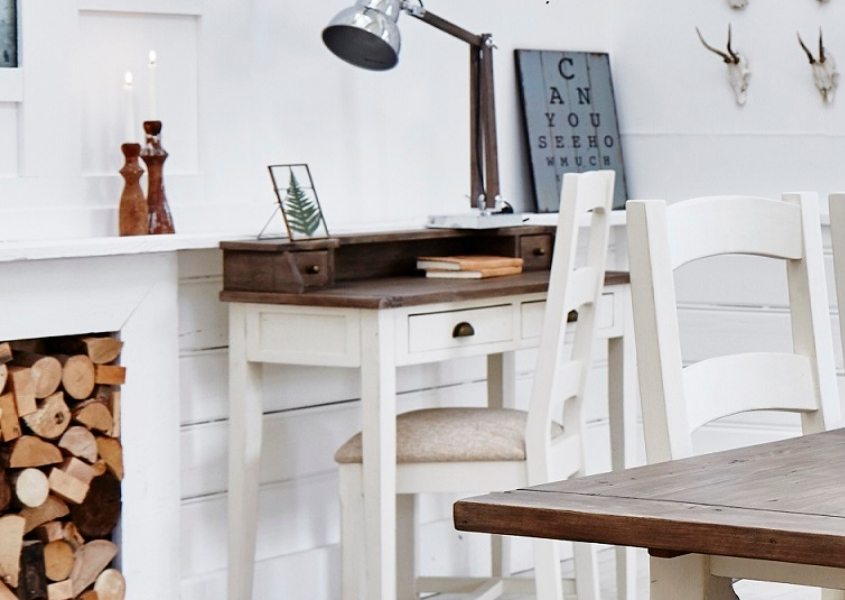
{"x": 131, "y": 288}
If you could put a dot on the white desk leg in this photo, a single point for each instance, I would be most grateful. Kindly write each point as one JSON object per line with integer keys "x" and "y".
{"x": 501, "y": 393}
{"x": 622, "y": 410}
{"x": 378, "y": 401}
{"x": 245, "y": 420}
{"x": 501, "y": 380}
{"x": 687, "y": 577}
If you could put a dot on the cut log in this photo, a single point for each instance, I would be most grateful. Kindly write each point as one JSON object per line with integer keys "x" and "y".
{"x": 61, "y": 590}
{"x": 72, "y": 536}
{"x": 9, "y": 425}
{"x": 58, "y": 560}
{"x": 4, "y": 375}
{"x": 31, "y": 487}
{"x": 50, "y": 532}
{"x": 110, "y": 585}
{"x": 52, "y": 418}
{"x": 5, "y": 352}
{"x": 11, "y": 543}
{"x": 89, "y": 595}
{"x": 80, "y": 442}
{"x": 33, "y": 582}
{"x": 5, "y": 491}
{"x": 6, "y": 593}
{"x": 67, "y": 487}
{"x": 31, "y": 451}
{"x": 90, "y": 560}
{"x": 22, "y": 386}
{"x": 99, "y": 467}
{"x": 35, "y": 346}
{"x": 54, "y": 508}
{"x": 114, "y": 405}
{"x": 110, "y": 374}
{"x": 111, "y": 452}
{"x": 77, "y": 375}
{"x": 100, "y": 349}
{"x": 46, "y": 371}
{"x": 79, "y": 470}
{"x": 100, "y": 513}
{"x": 94, "y": 415}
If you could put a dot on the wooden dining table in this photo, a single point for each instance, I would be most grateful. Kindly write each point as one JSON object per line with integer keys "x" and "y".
{"x": 773, "y": 512}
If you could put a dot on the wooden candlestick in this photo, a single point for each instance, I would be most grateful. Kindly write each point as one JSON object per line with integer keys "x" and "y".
{"x": 153, "y": 155}
{"x": 133, "y": 205}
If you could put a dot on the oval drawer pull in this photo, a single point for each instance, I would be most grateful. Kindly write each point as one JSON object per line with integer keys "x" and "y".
{"x": 313, "y": 270}
{"x": 539, "y": 251}
{"x": 463, "y": 329}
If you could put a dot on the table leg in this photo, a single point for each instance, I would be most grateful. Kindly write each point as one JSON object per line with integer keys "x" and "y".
{"x": 501, "y": 380}
{"x": 622, "y": 411}
{"x": 378, "y": 401}
{"x": 245, "y": 422}
{"x": 687, "y": 577}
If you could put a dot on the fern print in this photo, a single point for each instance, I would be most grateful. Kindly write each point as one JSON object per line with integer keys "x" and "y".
{"x": 303, "y": 215}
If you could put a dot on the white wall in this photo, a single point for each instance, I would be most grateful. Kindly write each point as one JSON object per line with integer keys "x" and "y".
{"x": 245, "y": 83}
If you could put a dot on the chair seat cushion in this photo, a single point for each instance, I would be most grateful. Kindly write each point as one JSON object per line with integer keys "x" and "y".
{"x": 453, "y": 435}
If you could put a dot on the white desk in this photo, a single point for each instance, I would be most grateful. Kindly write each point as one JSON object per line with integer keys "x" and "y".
{"x": 377, "y": 327}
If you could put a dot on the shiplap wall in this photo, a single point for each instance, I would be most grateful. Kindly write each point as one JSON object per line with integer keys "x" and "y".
{"x": 244, "y": 84}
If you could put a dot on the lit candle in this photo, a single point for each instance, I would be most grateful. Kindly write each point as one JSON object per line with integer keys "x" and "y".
{"x": 153, "y": 111}
{"x": 128, "y": 85}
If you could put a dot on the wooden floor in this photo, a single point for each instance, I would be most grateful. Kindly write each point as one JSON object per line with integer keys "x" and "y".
{"x": 746, "y": 590}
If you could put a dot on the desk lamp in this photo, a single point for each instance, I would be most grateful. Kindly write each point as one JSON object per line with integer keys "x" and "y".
{"x": 367, "y": 36}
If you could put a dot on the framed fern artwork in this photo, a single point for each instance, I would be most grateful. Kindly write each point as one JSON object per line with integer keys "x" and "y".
{"x": 298, "y": 200}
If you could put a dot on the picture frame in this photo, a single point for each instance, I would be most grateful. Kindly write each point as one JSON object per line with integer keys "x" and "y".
{"x": 8, "y": 34}
{"x": 570, "y": 120}
{"x": 298, "y": 201}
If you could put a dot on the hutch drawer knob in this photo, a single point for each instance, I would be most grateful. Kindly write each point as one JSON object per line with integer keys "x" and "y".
{"x": 539, "y": 251}
{"x": 313, "y": 269}
{"x": 463, "y": 329}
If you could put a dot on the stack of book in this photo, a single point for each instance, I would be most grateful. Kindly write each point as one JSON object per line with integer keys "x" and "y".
{"x": 469, "y": 267}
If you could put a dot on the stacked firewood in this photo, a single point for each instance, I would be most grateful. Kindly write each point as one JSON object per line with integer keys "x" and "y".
{"x": 61, "y": 463}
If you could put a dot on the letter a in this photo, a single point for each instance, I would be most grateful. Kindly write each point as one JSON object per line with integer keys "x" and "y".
{"x": 556, "y": 97}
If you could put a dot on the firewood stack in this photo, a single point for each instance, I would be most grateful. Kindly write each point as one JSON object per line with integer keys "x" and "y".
{"x": 61, "y": 463}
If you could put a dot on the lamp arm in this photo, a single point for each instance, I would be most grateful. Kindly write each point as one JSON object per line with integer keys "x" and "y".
{"x": 417, "y": 11}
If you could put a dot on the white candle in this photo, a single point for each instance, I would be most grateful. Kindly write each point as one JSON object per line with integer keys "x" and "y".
{"x": 128, "y": 88}
{"x": 153, "y": 111}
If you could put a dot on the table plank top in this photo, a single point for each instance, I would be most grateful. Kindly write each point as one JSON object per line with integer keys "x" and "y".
{"x": 394, "y": 292}
{"x": 781, "y": 501}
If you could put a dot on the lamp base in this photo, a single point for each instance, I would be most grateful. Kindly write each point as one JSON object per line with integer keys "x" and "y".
{"x": 475, "y": 220}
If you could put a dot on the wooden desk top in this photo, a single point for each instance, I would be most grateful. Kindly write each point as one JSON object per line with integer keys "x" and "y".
{"x": 783, "y": 501}
{"x": 394, "y": 292}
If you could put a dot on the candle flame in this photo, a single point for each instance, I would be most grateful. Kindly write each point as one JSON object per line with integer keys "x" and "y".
{"x": 128, "y": 79}
{"x": 152, "y": 58}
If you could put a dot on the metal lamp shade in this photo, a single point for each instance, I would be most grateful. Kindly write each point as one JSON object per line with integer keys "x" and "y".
{"x": 366, "y": 34}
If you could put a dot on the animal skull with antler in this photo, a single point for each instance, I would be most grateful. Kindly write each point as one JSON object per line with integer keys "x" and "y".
{"x": 738, "y": 71}
{"x": 825, "y": 75}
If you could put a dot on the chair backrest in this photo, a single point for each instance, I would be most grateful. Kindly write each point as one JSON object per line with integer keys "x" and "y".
{"x": 678, "y": 400}
{"x": 559, "y": 385}
{"x": 837, "y": 237}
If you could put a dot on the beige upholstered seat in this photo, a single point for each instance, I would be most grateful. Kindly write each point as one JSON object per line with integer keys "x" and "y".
{"x": 453, "y": 435}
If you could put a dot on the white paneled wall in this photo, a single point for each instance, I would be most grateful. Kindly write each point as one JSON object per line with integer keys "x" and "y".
{"x": 244, "y": 84}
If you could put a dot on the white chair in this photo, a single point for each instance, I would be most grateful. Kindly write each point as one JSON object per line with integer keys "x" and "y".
{"x": 677, "y": 400}
{"x": 457, "y": 450}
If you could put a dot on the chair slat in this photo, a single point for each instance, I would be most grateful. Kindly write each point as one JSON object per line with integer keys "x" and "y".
{"x": 729, "y": 385}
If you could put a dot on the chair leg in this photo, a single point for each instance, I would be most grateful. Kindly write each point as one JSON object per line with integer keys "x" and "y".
{"x": 547, "y": 576}
{"x": 586, "y": 571}
{"x": 351, "y": 531}
{"x": 406, "y": 547}
{"x": 626, "y": 573}
{"x": 499, "y": 556}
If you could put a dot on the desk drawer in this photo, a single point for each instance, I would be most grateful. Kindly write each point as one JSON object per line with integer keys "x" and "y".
{"x": 532, "y": 316}
{"x": 459, "y": 328}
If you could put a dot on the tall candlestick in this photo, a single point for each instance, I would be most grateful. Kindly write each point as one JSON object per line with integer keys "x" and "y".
{"x": 131, "y": 133}
{"x": 153, "y": 61}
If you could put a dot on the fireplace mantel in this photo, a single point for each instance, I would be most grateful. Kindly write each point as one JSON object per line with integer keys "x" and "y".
{"x": 127, "y": 286}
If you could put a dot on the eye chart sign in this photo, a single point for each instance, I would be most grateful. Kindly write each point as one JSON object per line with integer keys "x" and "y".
{"x": 8, "y": 34}
{"x": 570, "y": 120}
